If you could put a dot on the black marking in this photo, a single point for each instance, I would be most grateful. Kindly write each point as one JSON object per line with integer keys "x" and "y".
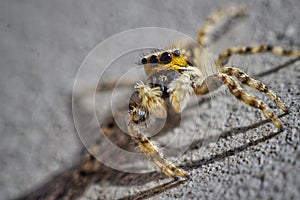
{"x": 233, "y": 86}
{"x": 240, "y": 74}
{"x": 144, "y": 61}
{"x": 260, "y": 86}
{"x": 229, "y": 70}
{"x": 153, "y": 60}
{"x": 190, "y": 63}
{"x": 266, "y": 89}
{"x": 269, "y": 48}
{"x": 248, "y": 49}
{"x": 246, "y": 80}
{"x": 165, "y": 58}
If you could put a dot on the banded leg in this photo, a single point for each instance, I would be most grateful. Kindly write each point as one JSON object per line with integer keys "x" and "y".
{"x": 246, "y": 50}
{"x": 144, "y": 102}
{"x": 153, "y": 154}
{"x": 255, "y": 84}
{"x": 223, "y": 14}
{"x": 249, "y": 99}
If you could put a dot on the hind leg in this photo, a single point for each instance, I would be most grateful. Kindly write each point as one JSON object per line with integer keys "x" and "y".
{"x": 247, "y": 50}
{"x": 255, "y": 84}
{"x": 218, "y": 17}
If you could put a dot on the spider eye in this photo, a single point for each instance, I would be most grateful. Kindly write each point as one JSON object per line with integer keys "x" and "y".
{"x": 153, "y": 60}
{"x": 176, "y": 53}
{"x": 165, "y": 57}
{"x": 144, "y": 61}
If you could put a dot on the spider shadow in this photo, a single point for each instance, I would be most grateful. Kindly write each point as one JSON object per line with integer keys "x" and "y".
{"x": 197, "y": 164}
{"x": 155, "y": 190}
{"x": 276, "y": 69}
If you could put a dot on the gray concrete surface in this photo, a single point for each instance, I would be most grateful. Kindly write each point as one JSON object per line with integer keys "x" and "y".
{"x": 42, "y": 45}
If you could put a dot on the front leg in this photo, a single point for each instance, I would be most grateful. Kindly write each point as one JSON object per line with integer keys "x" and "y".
{"x": 255, "y": 84}
{"x": 144, "y": 102}
{"x": 249, "y": 99}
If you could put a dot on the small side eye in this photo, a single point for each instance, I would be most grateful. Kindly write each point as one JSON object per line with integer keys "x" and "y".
{"x": 144, "y": 61}
{"x": 176, "y": 53}
{"x": 153, "y": 60}
{"x": 165, "y": 58}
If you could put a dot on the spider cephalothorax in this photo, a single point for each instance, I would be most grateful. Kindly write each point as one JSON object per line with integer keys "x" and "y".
{"x": 165, "y": 60}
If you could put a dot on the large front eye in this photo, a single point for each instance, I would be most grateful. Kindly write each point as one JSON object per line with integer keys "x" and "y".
{"x": 153, "y": 60}
{"x": 165, "y": 58}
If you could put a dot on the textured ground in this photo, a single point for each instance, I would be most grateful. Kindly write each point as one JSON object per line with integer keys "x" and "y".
{"x": 42, "y": 46}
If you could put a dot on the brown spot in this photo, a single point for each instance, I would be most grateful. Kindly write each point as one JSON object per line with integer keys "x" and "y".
{"x": 229, "y": 70}
{"x": 265, "y": 89}
{"x": 261, "y": 106}
{"x": 287, "y": 52}
{"x": 245, "y": 80}
{"x": 260, "y": 86}
{"x": 234, "y": 86}
{"x": 271, "y": 116}
{"x": 261, "y": 48}
{"x": 144, "y": 141}
{"x": 238, "y": 94}
{"x": 253, "y": 103}
{"x": 202, "y": 33}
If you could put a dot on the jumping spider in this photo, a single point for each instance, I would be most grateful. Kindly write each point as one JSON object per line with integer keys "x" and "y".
{"x": 172, "y": 78}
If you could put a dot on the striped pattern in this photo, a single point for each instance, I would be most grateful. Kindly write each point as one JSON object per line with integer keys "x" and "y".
{"x": 152, "y": 153}
{"x": 223, "y": 14}
{"x": 255, "y": 84}
{"x": 250, "y": 99}
{"x": 246, "y": 50}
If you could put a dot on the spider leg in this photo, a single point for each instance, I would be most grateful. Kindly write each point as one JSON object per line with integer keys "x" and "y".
{"x": 213, "y": 82}
{"x": 152, "y": 152}
{"x": 144, "y": 102}
{"x": 245, "y": 79}
{"x": 246, "y": 50}
{"x": 209, "y": 26}
{"x": 249, "y": 99}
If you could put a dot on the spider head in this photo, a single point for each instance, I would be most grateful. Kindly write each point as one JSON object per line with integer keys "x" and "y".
{"x": 164, "y": 60}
